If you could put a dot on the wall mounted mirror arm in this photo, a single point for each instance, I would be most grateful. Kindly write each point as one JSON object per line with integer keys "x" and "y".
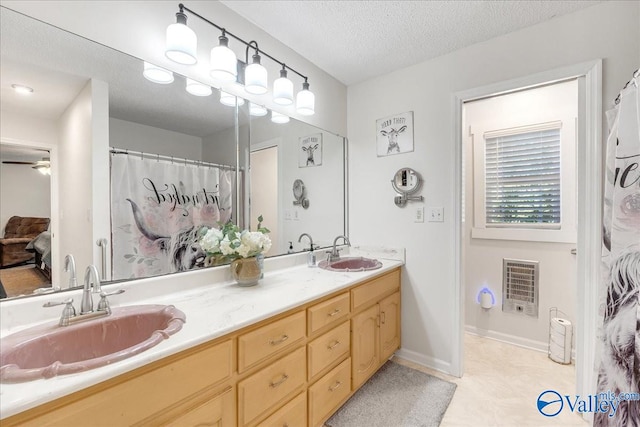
{"x": 407, "y": 182}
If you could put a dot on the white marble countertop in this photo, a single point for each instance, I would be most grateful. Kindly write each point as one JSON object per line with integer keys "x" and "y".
{"x": 214, "y": 306}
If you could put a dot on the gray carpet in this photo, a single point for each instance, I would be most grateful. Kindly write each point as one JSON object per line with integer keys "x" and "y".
{"x": 396, "y": 396}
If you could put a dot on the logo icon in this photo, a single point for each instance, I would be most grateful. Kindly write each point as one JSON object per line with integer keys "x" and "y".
{"x": 550, "y": 403}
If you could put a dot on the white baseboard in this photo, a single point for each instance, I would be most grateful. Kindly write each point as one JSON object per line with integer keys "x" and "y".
{"x": 513, "y": 339}
{"x": 424, "y": 360}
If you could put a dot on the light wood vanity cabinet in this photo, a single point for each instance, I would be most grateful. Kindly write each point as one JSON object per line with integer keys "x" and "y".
{"x": 294, "y": 369}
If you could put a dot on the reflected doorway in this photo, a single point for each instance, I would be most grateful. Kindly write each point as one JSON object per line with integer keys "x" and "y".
{"x": 264, "y": 191}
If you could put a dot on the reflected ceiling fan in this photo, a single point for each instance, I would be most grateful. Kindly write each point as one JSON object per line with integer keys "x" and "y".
{"x": 43, "y": 166}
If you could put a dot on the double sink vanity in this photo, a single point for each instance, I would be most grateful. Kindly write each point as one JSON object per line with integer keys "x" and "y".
{"x": 289, "y": 351}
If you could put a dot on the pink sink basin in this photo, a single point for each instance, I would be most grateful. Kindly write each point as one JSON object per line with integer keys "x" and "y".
{"x": 351, "y": 264}
{"x": 49, "y": 350}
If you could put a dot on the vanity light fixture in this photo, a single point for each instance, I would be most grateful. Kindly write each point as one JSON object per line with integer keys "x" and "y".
{"x": 198, "y": 89}
{"x": 181, "y": 42}
{"x": 305, "y": 100}
{"x": 230, "y": 100}
{"x": 22, "y": 89}
{"x": 181, "y": 48}
{"x": 224, "y": 64}
{"x": 283, "y": 89}
{"x": 157, "y": 74}
{"x": 279, "y": 118}
{"x": 257, "y": 110}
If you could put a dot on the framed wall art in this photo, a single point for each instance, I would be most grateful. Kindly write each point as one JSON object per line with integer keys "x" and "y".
{"x": 310, "y": 151}
{"x": 394, "y": 134}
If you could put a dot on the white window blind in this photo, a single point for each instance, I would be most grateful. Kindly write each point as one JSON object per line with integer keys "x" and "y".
{"x": 522, "y": 179}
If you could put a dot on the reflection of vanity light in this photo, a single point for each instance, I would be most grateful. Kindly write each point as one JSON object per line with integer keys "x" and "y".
{"x": 197, "y": 88}
{"x": 230, "y": 100}
{"x": 256, "y": 110}
{"x": 279, "y": 118}
{"x": 157, "y": 74}
{"x": 22, "y": 89}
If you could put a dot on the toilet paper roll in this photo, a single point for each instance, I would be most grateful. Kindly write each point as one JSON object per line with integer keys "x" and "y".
{"x": 486, "y": 301}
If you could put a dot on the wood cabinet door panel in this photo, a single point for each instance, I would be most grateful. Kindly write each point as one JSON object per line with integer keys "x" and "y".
{"x": 389, "y": 325}
{"x": 365, "y": 347}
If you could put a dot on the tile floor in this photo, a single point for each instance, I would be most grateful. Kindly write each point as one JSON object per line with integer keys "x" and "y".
{"x": 501, "y": 384}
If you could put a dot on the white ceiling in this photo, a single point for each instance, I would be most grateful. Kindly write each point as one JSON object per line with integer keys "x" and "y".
{"x": 356, "y": 40}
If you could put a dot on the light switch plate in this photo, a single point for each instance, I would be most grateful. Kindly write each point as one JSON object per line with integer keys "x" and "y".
{"x": 419, "y": 214}
{"x": 287, "y": 215}
{"x": 436, "y": 214}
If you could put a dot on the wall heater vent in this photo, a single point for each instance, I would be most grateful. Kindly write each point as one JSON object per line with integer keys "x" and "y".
{"x": 520, "y": 286}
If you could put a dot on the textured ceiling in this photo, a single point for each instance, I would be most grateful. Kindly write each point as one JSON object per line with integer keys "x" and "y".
{"x": 356, "y": 40}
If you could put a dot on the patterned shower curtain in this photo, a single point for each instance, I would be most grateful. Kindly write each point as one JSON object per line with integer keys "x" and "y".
{"x": 158, "y": 211}
{"x": 619, "y": 368}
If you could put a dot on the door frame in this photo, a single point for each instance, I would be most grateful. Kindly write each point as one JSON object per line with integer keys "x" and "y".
{"x": 589, "y": 177}
{"x": 53, "y": 215}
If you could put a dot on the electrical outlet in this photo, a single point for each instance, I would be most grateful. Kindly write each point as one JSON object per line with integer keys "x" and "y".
{"x": 436, "y": 214}
{"x": 419, "y": 217}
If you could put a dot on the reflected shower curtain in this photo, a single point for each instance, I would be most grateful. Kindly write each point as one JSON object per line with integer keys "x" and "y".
{"x": 619, "y": 369}
{"x": 158, "y": 210}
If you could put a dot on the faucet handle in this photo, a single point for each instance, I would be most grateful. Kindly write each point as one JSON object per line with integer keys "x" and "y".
{"x": 67, "y": 313}
{"x": 103, "y": 305}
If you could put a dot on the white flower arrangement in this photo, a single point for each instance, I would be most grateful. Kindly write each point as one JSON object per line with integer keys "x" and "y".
{"x": 229, "y": 242}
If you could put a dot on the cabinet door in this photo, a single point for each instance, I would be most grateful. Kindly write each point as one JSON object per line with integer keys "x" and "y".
{"x": 365, "y": 347}
{"x": 389, "y": 325}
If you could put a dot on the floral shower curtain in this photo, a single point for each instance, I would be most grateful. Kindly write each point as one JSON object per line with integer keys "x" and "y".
{"x": 619, "y": 368}
{"x": 158, "y": 211}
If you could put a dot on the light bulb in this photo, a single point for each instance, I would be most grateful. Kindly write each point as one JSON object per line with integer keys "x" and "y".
{"x": 197, "y": 88}
{"x": 22, "y": 89}
{"x": 257, "y": 110}
{"x": 283, "y": 89}
{"x": 230, "y": 100}
{"x": 181, "y": 42}
{"x": 224, "y": 64}
{"x": 157, "y": 74}
{"x": 305, "y": 101}
{"x": 255, "y": 77}
{"x": 279, "y": 118}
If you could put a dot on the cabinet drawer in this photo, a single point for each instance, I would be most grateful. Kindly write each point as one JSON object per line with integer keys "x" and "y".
{"x": 217, "y": 411}
{"x": 293, "y": 414}
{"x": 329, "y": 392}
{"x": 328, "y": 348}
{"x": 370, "y": 292}
{"x": 261, "y": 391}
{"x": 255, "y": 346}
{"x": 330, "y": 311}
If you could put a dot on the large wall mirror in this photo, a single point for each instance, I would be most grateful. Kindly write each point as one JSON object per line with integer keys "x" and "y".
{"x": 101, "y": 127}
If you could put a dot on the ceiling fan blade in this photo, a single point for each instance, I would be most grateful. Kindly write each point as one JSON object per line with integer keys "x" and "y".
{"x": 11, "y": 162}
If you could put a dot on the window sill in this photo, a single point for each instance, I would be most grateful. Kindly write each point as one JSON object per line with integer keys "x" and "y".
{"x": 530, "y": 235}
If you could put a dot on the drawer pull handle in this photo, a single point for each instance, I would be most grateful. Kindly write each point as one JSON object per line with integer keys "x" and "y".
{"x": 280, "y": 341}
{"x": 384, "y": 318}
{"x": 280, "y": 381}
{"x": 334, "y": 312}
{"x": 334, "y": 345}
{"x": 335, "y": 386}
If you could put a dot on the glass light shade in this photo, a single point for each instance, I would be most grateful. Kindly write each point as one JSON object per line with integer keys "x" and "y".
{"x": 230, "y": 100}
{"x": 255, "y": 78}
{"x": 197, "y": 88}
{"x": 157, "y": 74}
{"x": 43, "y": 169}
{"x": 283, "y": 91}
{"x": 224, "y": 64}
{"x": 181, "y": 44}
{"x": 257, "y": 110}
{"x": 279, "y": 118}
{"x": 305, "y": 101}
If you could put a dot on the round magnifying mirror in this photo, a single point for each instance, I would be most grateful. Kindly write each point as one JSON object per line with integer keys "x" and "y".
{"x": 298, "y": 189}
{"x": 407, "y": 181}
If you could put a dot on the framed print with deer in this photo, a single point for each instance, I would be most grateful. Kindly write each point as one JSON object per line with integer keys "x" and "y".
{"x": 310, "y": 152}
{"x": 394, "y": 134}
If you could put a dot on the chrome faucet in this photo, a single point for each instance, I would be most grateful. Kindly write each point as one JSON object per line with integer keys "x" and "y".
{"x": 91, "y": 280}
{"x": 335, "y": 252}
{"x": 70, "y": 266}
{"x": 310, "y": 240}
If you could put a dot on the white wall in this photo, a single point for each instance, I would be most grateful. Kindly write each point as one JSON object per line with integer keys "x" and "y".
{"x": 148, "y": 139}
{"x": 138, "y": 28}
{"x": 23, "y": 192}
{"x": 27, "y": 128}
{"x": 427, "y": 89}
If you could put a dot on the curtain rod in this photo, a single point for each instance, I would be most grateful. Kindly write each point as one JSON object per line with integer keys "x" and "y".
{"x": 181, "y": 160}
{"x": 636, "y": 74}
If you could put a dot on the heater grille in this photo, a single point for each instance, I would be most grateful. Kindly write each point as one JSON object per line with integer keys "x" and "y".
{"x": 520, "y": 286}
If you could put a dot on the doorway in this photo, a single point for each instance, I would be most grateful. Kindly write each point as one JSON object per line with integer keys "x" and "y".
{"x": 588, "y": 206}
{"x": 264, "y": 190}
